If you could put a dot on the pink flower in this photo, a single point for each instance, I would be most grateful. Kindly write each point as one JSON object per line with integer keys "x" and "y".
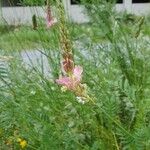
{"x": 72, "y": 81}
{"x": 77, "y": 72}
{"x": 51, "y": 22}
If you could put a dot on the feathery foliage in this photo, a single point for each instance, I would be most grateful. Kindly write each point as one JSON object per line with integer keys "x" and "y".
{"x": 115, "y": 56}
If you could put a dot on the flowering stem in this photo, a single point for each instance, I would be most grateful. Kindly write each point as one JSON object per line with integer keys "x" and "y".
{"x": 49, "y": 15}
{"x": 65, "y": 42}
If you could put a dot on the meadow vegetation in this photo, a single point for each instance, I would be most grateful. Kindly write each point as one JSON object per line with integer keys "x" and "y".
{"x": 38, "y": 114}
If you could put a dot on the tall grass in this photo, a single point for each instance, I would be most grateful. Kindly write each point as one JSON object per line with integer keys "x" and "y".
{"x": 33, "y": 107}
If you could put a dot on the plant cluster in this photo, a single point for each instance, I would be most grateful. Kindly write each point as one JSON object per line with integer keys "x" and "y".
{"x": 37, "y": 114}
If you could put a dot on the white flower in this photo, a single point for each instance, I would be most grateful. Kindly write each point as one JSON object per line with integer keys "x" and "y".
{"x": 80, "y": 100}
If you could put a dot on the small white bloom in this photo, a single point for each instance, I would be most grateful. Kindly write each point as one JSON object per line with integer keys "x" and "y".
{"x": 80, "y": 100}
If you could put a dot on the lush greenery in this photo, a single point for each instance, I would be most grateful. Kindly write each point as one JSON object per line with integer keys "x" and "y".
{"x": 18, "y": 38}
{"x": 114, "y": 52}
{"x": 12, "y": 36}
{"x": 33, "y": 2}
{"x": 36, "y": 2}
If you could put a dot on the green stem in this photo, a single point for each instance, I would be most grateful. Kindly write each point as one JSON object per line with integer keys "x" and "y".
{"x": 116, "y": 143}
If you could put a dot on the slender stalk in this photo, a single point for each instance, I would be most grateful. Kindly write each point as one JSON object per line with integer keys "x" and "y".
{"x": 116, "y": 143}
{"x": 64, "y": 38}
{"x": 49, "y": 14}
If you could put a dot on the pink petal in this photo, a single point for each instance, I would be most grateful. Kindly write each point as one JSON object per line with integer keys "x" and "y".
{"x": 77, "y": 72}
{"x": 51, "y": 22}
{"x": 63, "y": 81}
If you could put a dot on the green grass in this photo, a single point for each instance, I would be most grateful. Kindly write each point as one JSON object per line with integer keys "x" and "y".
{"x": 34, "y": 108}
{"x": 24, "y": 37}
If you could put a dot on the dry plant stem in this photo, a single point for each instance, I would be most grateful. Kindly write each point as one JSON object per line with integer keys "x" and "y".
{"x": 65, "y": 42}
{"x": 49, "y": 10}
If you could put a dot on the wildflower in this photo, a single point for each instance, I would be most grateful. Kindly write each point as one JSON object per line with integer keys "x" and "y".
{"x": 50, "y": 21}
{"x": 22, "y": 143}
{"x": 73, "y": 81}
{"x": 80, "y": 100}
